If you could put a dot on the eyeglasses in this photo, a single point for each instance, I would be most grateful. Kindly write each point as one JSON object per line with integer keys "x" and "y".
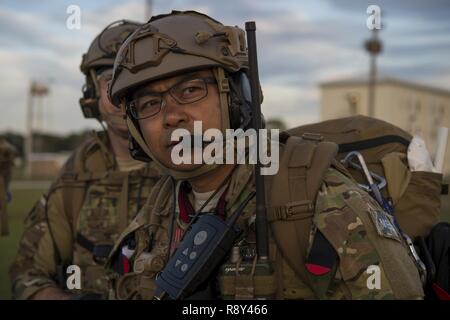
{"x": 150, "y": 104}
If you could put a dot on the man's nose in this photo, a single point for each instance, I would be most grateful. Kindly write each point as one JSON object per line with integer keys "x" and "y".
{"x": 174, "y": 114}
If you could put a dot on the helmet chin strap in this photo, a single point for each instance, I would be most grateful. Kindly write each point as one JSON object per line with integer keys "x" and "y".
{"x": 224, "y": 94}
{"x": 113, "y": 119}
{"x": 112, "y": 123}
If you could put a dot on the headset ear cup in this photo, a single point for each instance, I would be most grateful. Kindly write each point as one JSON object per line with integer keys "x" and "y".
{"x": 241, "y": 101}
{"x": 247, "y": 108}
{"x": 136, "y": 151}
{"x": 89, "y": 101}
{"x": 234, "y": 111}
{"x": 134, "y": 148}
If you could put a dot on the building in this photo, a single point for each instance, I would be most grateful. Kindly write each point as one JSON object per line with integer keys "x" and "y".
{"x": 46, "y": 165}
{"x": 416, "y": 108}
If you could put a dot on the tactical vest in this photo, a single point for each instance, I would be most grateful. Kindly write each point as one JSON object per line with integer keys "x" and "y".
{"x": 99, "y": 202}
{"x": 300, "y": 237}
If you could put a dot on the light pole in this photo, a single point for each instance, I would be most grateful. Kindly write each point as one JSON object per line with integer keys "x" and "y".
{"x": 36, "y": 90}
{"x": 148, "y": 9}
{"x": 374, "y": 47}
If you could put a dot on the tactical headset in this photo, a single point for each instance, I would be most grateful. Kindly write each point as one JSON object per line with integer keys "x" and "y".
{"x": 91, "y": 95}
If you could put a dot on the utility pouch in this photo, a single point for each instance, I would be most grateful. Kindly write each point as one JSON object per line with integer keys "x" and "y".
{"x": 247, "y": 279}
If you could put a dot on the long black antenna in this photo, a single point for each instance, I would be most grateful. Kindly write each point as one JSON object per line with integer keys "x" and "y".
{"x": 262, "y": 243}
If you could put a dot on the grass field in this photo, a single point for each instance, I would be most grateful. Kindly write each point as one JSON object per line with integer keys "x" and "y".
{"x": 21, "y": 203}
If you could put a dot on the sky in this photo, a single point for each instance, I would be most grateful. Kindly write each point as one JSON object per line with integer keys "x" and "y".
{"x": 300, "y": 45}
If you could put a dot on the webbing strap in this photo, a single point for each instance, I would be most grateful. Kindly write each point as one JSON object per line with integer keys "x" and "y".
{"x": 371, "y": 143}
{"x": 123, "y": 204}
{"x": 82, "y": 176}
{"x": 288, "y": 200}
{"x": 99, "y": 252}
{"x": 291, "y": 211}
{"x": 292, "y": 194}
{"x": 85, "y": 242}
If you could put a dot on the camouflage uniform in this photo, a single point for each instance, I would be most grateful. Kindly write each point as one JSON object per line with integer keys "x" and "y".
{"x": 344, "y": 214}
{"x": 356, "y": 235}
{"x": 7, "y": 155}
{"x": 94, "y": 196}
{"x": 78, "y": 220}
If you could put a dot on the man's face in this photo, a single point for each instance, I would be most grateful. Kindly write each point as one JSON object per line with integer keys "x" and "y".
{"x": 157, "y": 129}
{"x": 108, "y": 109}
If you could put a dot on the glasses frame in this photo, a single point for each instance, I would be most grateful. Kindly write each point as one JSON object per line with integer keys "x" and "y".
{"x": 132, "y": 108}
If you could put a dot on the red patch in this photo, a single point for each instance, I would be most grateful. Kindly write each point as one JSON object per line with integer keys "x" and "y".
{"x": 316, "y": 269}
{"x": 126, "y": 265}
{"x": 441, "y": 293}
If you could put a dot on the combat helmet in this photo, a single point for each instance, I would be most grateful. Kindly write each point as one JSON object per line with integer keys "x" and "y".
{"x": 180, "y": 42}
{"x": 100, "y": 56}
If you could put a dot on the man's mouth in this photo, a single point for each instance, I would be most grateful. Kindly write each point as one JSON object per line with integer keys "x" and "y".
{"x": 194, "y": 140}
{"x": 173, "y": 143}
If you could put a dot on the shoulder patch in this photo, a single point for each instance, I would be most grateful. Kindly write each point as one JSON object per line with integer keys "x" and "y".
{"x": 383, "y": 222}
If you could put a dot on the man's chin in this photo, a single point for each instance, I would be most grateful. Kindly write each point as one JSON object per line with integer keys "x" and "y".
{"x": 169, "y": 164}
{"x": 182, "y": 167}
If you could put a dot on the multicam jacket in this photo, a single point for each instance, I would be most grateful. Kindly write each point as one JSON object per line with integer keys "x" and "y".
{"x": 77, "y": 221}
{"x": 369, "y": 259}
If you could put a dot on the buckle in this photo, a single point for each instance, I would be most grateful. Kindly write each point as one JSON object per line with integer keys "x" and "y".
{"x": 101, "y": 252}
{"x": 289, "y": 210}
{"x": 298, "y": 207}
{"x": 312, "y": 136}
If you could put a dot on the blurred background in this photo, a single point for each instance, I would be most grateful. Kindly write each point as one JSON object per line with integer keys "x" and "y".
{"x": 318, "y": 60}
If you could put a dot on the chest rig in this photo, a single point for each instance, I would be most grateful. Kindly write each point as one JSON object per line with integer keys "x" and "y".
{"x": 99, "y": 202}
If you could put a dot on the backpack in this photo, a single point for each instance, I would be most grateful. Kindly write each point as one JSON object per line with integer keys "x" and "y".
{"x": 293, "y": 197}
{"x": 415, "y": 196}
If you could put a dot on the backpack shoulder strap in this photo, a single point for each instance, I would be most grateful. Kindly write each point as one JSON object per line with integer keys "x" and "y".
{"x": 86, "y": 164}
{"x": 303, "y": 165}
{"x": 292, "y": 193}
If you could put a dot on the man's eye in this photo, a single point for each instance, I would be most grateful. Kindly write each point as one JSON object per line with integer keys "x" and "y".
{"x": 151, "y": 104}
{"x": 154, "y": 102}
{"x": 191, "y": 90}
